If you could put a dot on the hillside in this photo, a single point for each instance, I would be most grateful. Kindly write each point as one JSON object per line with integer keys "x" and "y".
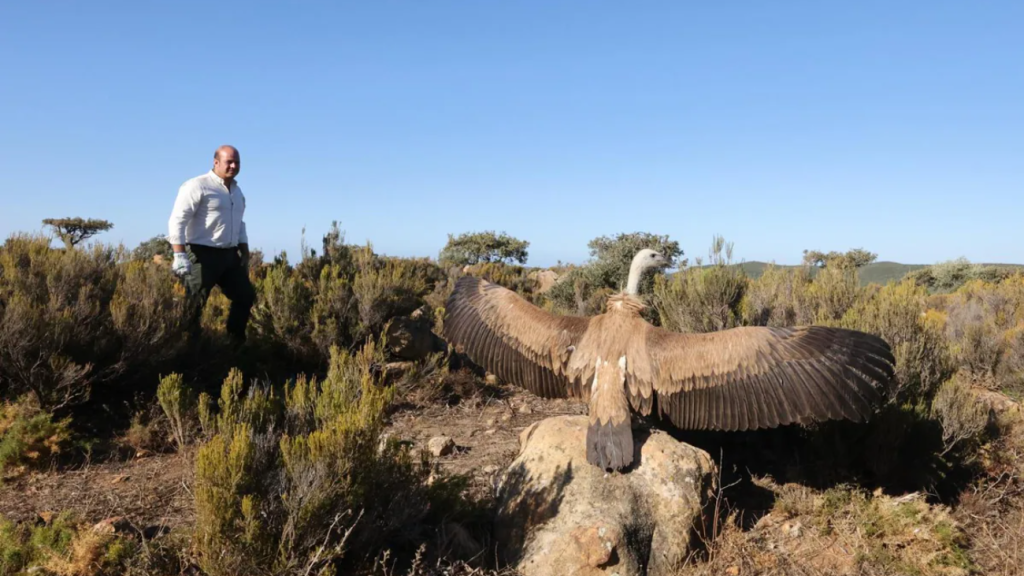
{"x": 876, "y": 272}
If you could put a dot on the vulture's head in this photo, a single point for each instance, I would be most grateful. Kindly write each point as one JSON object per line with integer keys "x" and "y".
{"x": 648, "y": 259}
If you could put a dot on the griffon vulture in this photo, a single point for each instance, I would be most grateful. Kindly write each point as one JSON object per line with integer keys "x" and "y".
{"x": 738, "y": 379}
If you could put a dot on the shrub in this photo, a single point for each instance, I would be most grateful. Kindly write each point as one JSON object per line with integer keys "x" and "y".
{"x": 985, "y": 327}
{"x": 584, "y": 289}
{"x": 155, "y": 246}
{"x": 292, "y": 482}
{"x": 179, "y": 405}
{"x": 702, "y": 298}
{"x": 963, "y": 418}
{"x": 29, "y": 437}
{"x": 65, "y": 547}
{"x": 474, "y": 247}
{"x": 148, "y": 312}
{"x": 777, "y": 298}
{"x": 281, "y": 312}
{"x": 56, "y": 341}
{"x": 896, "y": 313}
{"x": 834, "y": 291}
{"x": 385, "y": 288}
{"x": 334, "y": 313}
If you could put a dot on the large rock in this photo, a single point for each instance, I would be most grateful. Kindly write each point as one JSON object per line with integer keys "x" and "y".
{"x": 546, "y": 279}
{"x": 410, "y": 337}
{"x": 561, "y": 516}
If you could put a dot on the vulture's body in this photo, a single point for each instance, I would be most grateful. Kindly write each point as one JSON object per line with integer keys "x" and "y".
{"x": 738, "y": 379}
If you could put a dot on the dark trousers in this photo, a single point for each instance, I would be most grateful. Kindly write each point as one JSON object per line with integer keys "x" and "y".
{"x": 220, "y": 267}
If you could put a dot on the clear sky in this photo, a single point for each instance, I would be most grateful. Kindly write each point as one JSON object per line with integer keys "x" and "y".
{"x": 893, "y": 126}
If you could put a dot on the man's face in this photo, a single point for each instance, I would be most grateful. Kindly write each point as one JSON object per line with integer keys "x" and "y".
{"x": 227, "y": 163}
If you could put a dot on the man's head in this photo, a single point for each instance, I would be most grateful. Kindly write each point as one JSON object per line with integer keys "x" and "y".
{"x": 226, "y": 162}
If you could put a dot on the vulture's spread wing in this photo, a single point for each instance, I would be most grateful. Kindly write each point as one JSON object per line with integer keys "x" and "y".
{"x": 759, "y": 377}
{"x": 511, "y": 338}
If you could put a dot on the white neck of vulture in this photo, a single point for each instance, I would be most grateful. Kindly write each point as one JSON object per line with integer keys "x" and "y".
{"x": 636, "y": 270}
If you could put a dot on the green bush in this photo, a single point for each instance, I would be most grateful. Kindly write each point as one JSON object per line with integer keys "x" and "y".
{"x": 29, "y": 437}
{"x": 897, "y": 313}
{"x": 281, "y": 312}
{"x": 584, "y": 289}
{"x": 179, "y": 405}
{"x": 703, "y": 298}
{"x": 385, "y": 288}
{"x": 148, "y": 313}
{"x": 293, "y": 481}
{"x": 777, "y": 298}
{"x": 475, "y": 247}
{"x": 56, "y": 338}
{"x": 985, "y": 328}
{"x": 64, "y": 546}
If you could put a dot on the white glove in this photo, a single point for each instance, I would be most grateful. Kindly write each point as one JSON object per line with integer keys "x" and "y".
{"x": 182, "y": 265}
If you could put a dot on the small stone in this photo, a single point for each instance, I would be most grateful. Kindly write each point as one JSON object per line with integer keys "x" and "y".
{"x": 490, "y": 469}
{"x": 491, "y": 422}
{"x": 525, "y": 409}
{"x": 506, "y": 417}
{"x": 113, "y": 525}
{"x": 441, "y": 445}
{"x": 732, "y": 571}
{"x": 491, "y": 431}
{"x": 796, "y": 530}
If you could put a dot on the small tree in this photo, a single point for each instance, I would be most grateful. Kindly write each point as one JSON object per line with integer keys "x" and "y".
{"x": 75, "y": 230}
{"x": 583, "y": 290}
{"x": 155, "y": 246}
{"x": 473, "y": 247}
{"x": 856, "y": 258}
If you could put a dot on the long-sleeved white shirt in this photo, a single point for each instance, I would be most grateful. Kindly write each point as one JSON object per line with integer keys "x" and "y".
{"x": 206, "y": 212}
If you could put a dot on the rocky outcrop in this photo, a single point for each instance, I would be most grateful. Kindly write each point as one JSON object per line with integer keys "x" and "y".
{"x": 546, "y": 279}
{"x": 410, "y": 337}
{"x": 561, "y": 516}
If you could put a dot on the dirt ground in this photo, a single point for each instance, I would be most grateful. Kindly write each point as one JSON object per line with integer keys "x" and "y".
{"x": 153, "y": 491}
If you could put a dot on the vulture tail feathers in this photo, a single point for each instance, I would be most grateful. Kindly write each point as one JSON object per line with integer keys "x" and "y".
{"x": 610, "y": 445}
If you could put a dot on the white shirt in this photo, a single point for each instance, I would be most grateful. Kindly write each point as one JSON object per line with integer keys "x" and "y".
{"x": 206, "y": 212}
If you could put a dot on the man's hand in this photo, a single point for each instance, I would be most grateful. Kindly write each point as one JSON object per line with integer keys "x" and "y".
{"x": 243, "y": 252}
{"x": 181, "y": 265}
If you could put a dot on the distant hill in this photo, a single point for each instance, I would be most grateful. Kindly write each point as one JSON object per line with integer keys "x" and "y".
{"x": 876, "y": 272}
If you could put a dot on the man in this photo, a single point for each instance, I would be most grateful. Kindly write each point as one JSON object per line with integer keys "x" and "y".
{"x": 207, "y": 222}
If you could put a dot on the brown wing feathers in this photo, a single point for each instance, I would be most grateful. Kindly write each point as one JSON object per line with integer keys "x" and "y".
{"x": 511, "y": 338}
{"x": 764, "y": 377}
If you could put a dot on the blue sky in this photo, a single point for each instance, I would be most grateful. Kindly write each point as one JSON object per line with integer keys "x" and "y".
{"x": 893, "y": 126}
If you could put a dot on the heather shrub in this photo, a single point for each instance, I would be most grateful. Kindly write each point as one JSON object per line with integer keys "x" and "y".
{"x": 385, "y": 288}
{"x": 56, "y": 339}
{"x": 985, "y": 326}
{"x": 702, "y": 298}
{"x": 963, "y": 418}
{"x": 148, "y": 312}
{"x": 29, "y": 436}
{"x": 65, "y": 546}
{"x": 776, "y": 298}
{"x": 293, "y": 481}
{"x": 834, "y": 291}
{"x": 281, "y": 312}
{"x": 179, "y": 405}
{"x": 896, "y": 313}
{"x": 333, "y": 317}
{"x": 950, "y": 275}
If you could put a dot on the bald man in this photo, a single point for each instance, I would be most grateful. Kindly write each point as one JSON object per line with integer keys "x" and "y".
{"x": 211, "y": 248}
